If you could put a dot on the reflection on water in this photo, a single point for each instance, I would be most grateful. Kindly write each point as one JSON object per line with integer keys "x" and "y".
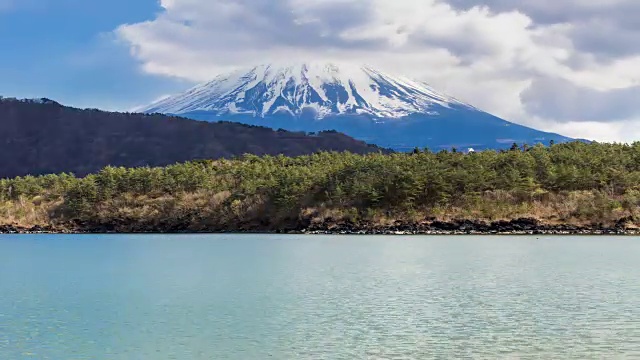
{"x": 311, "y": 297}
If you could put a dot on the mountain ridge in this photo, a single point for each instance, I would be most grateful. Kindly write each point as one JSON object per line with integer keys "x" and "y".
{"x": 362, "y": 102}
{"x": 41, "y": 136}
{"x": 294, "y": 87}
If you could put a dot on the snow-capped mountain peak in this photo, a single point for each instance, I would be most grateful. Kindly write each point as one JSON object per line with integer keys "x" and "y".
{"x": 321, "y": 89}
{"x": 360, "y": 101}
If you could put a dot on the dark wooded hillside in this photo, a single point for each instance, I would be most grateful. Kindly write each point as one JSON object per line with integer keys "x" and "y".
{"x": 42, "y": 136}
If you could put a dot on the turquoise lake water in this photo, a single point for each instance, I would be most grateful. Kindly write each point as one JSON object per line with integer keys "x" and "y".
{"x": 256, "y": 297}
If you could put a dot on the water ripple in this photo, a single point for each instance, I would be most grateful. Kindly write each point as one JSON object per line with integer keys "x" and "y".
{"x": 291, "y": 297}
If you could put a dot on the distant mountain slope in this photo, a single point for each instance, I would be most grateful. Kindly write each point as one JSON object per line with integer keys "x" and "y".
{"x": 386, "y": 110}
{"x": 41, "y": 136}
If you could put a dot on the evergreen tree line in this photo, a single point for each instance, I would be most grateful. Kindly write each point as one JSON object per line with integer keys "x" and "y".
{"x": 600, "y": 178}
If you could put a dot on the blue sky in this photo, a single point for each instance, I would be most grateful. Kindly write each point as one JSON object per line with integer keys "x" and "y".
{"x": 568, "y": 66}
{"x": 66, "y": 50}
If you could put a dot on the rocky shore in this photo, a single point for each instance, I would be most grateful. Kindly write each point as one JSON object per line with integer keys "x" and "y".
{"x": 470, "y": 227}
{"x": 525, "y": 226}
{"x": 16, "y": 229}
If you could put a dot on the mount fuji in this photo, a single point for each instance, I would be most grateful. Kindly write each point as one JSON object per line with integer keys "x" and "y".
{"x": 362, "y": 102}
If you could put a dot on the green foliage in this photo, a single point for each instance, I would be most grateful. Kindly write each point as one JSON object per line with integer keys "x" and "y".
{"x": 604, "y": 178}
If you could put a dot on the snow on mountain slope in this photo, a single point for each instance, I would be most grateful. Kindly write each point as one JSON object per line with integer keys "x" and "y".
{"x": 328, "y": 89}
{"x": 367, "y": 104}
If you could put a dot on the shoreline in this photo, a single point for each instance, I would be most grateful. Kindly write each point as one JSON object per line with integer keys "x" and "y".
{"x": 324, "y": 233}
{"x": 521, "y": 227}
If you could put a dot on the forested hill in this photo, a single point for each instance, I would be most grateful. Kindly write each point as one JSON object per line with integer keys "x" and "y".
{"x": 564, "y": 187}
{"x": 42, "y": 136}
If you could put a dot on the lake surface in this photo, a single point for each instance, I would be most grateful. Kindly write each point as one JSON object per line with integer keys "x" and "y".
{"x": 252, "y": 297}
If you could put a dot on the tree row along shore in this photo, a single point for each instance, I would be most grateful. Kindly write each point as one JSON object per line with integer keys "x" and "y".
{"x": 565, "y": 188}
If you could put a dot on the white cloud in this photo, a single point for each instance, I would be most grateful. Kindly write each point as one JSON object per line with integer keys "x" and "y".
{"x": 521, "y": 62}
{"x": 618, "y": 131}
{"x": 563, "y": 100}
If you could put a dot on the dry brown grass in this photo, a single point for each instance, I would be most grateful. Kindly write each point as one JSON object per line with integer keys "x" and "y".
{"x": 27, "y": 212}
{"x": 575, "y": 208}
{"x": 203, "y": 209}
